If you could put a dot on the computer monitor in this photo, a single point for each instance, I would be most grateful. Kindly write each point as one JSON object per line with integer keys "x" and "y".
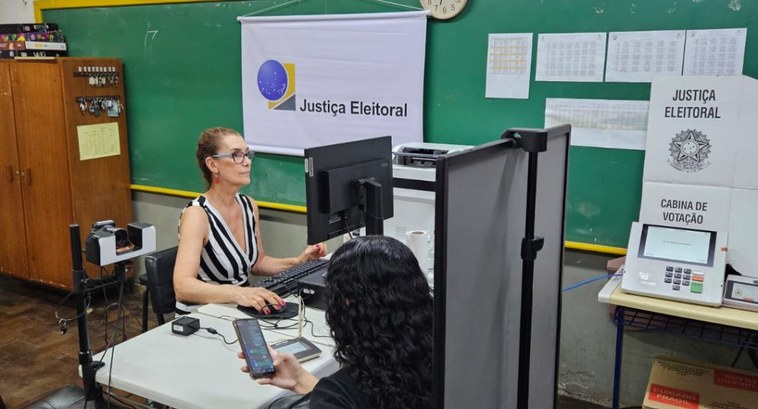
{"x": 348, "y": 186}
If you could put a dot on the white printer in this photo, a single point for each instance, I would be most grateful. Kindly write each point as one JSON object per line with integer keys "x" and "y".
{"x": 414, "y": 174}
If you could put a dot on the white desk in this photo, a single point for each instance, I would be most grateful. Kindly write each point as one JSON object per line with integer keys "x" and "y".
{"x": 200, "y": 370}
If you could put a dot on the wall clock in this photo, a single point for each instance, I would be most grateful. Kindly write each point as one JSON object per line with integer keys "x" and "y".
{"x": 444, "y": 9}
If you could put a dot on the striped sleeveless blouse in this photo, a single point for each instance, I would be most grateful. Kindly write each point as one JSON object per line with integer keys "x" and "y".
{"x": 222, "y": 260}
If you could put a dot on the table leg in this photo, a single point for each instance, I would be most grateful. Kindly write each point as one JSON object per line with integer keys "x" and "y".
{"x": 619, "y": 315}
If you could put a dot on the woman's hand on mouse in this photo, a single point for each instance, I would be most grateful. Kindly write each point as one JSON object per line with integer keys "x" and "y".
{"x": 256, "y": 297}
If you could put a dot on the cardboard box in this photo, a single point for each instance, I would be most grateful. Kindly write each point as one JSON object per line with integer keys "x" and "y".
{"x": 677, "y": 383}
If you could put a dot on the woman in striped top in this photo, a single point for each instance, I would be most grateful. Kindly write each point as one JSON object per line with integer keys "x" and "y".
{"x": 219, "y": 240}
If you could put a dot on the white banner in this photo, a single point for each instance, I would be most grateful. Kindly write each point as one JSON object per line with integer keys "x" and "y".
{"x": 324, "y": 79}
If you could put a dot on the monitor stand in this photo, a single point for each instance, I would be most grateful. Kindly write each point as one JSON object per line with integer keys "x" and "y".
{"x": 370, "y": 196}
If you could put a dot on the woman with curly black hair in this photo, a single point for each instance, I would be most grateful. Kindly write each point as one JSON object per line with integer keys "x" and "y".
{"x": 379, "y": 310}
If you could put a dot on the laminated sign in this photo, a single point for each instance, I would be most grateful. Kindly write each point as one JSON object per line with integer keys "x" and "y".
{"x": 700, "y": 157}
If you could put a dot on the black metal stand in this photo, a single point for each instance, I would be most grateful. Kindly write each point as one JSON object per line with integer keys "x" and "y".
{"x": 93, "y": 392}
{"x": 82, "y": 286}
{"x": 370, "y": 192}
{"x": 532, "y": 141}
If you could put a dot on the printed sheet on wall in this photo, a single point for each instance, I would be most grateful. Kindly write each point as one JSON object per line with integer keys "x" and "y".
{"x": 323, "y": 79}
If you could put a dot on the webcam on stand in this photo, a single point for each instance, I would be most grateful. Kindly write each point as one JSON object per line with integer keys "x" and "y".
{"x": 107, "y": 244}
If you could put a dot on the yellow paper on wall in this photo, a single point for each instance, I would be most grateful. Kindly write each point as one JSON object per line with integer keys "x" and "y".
{"x": 98, "y": 141}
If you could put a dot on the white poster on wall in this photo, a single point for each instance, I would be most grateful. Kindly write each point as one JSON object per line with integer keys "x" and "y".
{"x": 600, "y": 123}
{"x": 695, "y": 129}
{"x": 509, "y": 64}
{"x": 715, "y": 52}
{"x": 570, "y": 57}
{"x": 700, "y": 159}
{"x": 324, "y": 79}
{"x": 638, "y": 56}
{"x": 689, "y": 206}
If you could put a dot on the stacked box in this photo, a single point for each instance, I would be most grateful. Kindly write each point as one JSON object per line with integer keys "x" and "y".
{"x": 31, "y": 40}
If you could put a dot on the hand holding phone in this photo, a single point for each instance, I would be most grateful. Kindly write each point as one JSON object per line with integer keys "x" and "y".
{"x": 254, "y": 348}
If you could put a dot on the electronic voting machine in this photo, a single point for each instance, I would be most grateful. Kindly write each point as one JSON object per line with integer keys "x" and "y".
{"x": 676, "y": 263}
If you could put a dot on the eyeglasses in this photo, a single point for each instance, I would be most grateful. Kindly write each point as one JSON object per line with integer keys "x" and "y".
{"x": 237, "y": 156}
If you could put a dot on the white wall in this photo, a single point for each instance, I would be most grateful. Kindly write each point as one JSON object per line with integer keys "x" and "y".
{"x": 16, "y": 11}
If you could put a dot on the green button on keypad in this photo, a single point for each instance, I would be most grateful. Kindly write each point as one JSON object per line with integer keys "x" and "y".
{"x": 696, "y": 287}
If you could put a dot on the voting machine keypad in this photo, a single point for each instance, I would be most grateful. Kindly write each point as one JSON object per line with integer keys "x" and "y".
{"x": 657, "y": 269}
{"x": 680, "y": 277}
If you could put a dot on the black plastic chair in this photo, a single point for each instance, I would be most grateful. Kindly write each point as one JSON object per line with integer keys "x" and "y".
{"x": 159, "y": 267}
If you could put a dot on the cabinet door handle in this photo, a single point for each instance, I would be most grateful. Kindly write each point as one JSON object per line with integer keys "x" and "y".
{"x": 29, "y": 176}
{"x": 10, "y": 173}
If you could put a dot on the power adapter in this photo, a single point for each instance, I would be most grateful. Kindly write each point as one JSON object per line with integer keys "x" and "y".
{"x": 185, "y": 326}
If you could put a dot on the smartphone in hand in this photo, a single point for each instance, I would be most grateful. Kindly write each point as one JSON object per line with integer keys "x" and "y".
{"x": 254, "y": 348}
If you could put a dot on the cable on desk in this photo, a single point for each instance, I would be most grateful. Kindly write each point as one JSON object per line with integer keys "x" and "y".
{"x": 275, "y": 325}
{"x": 301, "y": 320}
{"x": 273, "y": 322}
{"x": 296, "y": 324}
{"x": 306, "y": 321}
{"x": 214, "y": 332}
{"x": 589, "y": 280}
{"x": 313, "y": 326}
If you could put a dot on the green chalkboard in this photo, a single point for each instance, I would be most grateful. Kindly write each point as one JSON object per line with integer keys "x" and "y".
{"x": 182, "y": 68}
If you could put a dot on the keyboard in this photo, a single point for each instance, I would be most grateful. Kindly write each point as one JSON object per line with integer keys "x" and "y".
{"x": 286, "y": 281}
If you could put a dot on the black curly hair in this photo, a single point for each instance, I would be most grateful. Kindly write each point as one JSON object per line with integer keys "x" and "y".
{"x": 380, "y": 311}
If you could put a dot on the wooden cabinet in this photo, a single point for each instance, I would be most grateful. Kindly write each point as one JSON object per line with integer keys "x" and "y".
{"x": 48, "y": 179}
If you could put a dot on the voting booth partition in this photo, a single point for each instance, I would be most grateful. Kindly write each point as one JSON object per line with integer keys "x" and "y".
{"x": 482, "y": 214}
{"x": 698, "y": 188}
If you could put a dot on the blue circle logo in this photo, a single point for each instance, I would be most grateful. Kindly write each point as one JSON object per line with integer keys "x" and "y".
{"x": 272, "y": 80}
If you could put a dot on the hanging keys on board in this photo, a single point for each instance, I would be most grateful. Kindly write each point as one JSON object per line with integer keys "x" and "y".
{"x": 98, "y": 76}
{"x": 111, "y": 105}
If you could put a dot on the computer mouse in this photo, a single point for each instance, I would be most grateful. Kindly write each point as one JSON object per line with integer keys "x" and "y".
{"x": 289, "y": 310}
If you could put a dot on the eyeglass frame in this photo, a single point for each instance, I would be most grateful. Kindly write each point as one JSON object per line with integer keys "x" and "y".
{"x": 233, "y": 155}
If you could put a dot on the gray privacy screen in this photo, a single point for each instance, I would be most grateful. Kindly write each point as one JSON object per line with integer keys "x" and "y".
{"x": 480, "y": 222}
